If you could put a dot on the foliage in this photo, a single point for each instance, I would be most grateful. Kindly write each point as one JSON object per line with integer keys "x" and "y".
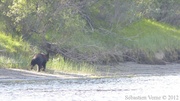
{"x": 39, "y": 17}
{"x": 29, "y": 17}
{"x": 11, "y": 44}
{"x": 88, "y": 30}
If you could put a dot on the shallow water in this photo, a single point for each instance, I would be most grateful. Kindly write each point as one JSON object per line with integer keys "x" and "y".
{"x": 109, "y": 89}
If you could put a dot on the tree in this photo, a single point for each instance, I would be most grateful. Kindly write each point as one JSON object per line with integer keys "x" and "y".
{"x": 165, "y": 11}
{"x": 37, "y": 16}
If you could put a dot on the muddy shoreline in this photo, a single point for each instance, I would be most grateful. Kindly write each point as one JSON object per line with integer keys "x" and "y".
{"x": 133, "y": 69}
{"x": 19, "y": 74}
{"x": 129, "y": 69}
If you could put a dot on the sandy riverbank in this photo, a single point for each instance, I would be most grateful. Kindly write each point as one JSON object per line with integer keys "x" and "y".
{"x": 120, "y": 70}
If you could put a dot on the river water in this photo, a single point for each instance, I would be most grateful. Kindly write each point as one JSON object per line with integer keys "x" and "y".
{"x": 143, "y": 88}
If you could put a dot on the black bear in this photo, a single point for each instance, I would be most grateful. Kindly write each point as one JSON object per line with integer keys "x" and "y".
{"x": 40, "y": 60}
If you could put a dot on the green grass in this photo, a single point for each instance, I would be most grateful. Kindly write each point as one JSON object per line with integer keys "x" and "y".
{"x": 57, "y": 63}
{"x": 17, "y": 53}
{"x": 146, "y": 35}
{"x": 151, "y": 36}
{"x": 14, "y": 51}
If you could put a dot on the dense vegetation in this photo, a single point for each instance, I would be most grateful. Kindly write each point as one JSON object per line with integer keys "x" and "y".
{"x": 77, "y": 32}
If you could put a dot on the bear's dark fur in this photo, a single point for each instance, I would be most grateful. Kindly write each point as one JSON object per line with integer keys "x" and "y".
{"x": 40, "y": 60}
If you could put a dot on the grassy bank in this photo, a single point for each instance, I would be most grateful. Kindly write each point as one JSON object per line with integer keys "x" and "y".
{"x": 145, "y": 41}
{"x": 16, "y": 53}
{"x": 152, "y": 42}
{"x": 59, "y": 64}
{"x": 151, "y": 36}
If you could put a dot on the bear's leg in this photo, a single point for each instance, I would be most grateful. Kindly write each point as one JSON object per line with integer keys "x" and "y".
{"x": 44, "y": 66}
{"x": 39, "y": 67}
